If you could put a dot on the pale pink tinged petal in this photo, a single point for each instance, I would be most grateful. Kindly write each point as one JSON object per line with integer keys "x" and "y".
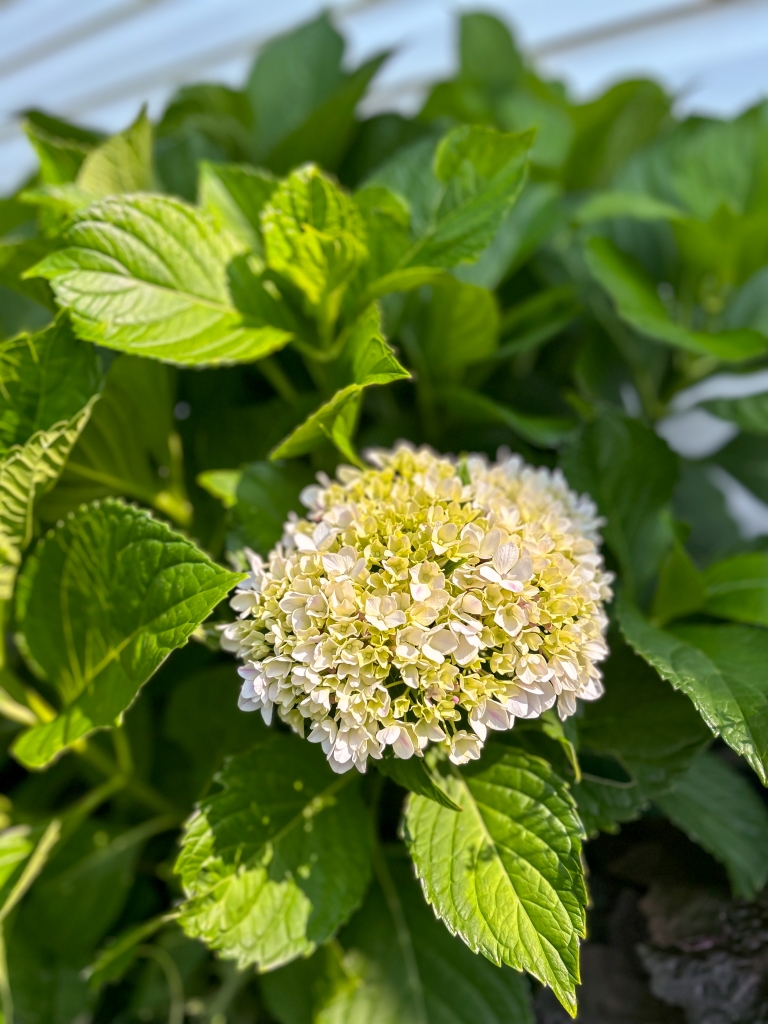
{"x": 403, "y": 745}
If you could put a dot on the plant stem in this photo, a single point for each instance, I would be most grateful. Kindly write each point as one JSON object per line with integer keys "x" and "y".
{"x": 140, "y": 790}
{"x": 167, "y": 965}
{"x": 277, "y": 377}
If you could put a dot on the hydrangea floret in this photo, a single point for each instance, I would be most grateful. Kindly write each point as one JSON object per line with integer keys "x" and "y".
{"x": 424, "y": 600}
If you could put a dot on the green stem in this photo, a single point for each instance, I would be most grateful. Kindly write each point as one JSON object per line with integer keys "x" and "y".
{"x": 6, "y": 999}
{"x": 404, "y": 939}
{"x": 140, "y": 790}
{"x": 277, "y": 377}
{"x": 167, "y": 965}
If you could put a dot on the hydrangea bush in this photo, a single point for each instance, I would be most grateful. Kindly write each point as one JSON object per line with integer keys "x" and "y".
{"x": 397, "y": 389}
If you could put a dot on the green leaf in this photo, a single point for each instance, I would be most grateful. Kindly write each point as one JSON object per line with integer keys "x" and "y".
{"x": 102, "y": 602}
{"x": 113, "y": 962}
{"x": 276, "y": 860}
{"x": 222, "y": 484}
{"x": 365, "y": 360}
{"x": 681, "y": 588}
{"x": 604, "y": 804}
{"x": 630, "y": 473}
{"x": 721, "y": 812}
{"x": 401, "y": 965}
{"x": 650, "y": 729}
{"x": 638, "y": 303}
{"x": 749, "y": 413}
{"x": 326, "y": 134}
{"x": 636, "y": 205}
{"x": 121, "y": 164}
{"x": 149, "y": 275}
{"x": 462, "y": 327}
{"x": 129, "y": 447}
{"x": 83, "y": 890}
{"x": 202, "y": 718}
{"x": 45, "y": 378}
{"x": 26, "y": 472}
{"x": 314, "y": 236}
{"x": 16, "y": 257}
{"x": 483, "y": 172}
{"x": 506, "y": 874}
{"x": 60, "y": 147}
{"x": 737, "y": 589}
{"x": 472, "y": 407}
{"x": 413, "y": 775}
{"x": 746, "y": 459}
{"x": 522, "y": 231}
{"x": 16, "y": 846}
{"x": 293, "y": 74}
{"x": 234, "y": 195}
{"x": 265, "y": 494}
{"x": 721, "y": 669}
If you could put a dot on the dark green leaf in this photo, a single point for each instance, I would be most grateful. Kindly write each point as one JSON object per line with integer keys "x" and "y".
{"x": 604, "y": 803}
{"x": 652, "y": 731}
{"x": 265, "y": 494}
{"x": 746, "y": 458}
{"x": 112, "y": 962}
{"x": 680, "y": 591}
{"x": 294, "y": 74}
{"x": 630, "y": 473}
{"x": 103, "y": 601}
{"x": 722, "y": 670}
{"x": 506, "y": 874}
{"x": 203, "y": 718}
{"x": 413, "y": 775}
{"x": 149, "y": 275}
{"x": 129, "y": 448}
{"x": 473, "y": 407}
{"x": 276, "y": 860}
{"x": 720, "y": 811}
{"x": 750, "y": 413}
{"x": 462, "y": 327}
{"x": 638, "y": 303}
{"x": 737, "y": 589}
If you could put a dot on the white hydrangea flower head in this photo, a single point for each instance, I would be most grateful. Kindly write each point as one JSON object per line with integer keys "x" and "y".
{"x": 424, "y": 600}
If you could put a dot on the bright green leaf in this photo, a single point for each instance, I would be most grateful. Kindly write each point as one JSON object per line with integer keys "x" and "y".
{"x": 121, "y": 164}
{"x": 102, "y": 602}
{"x": 638, "y": 303}
{"x": 506, "y": 874}
{"x": 721, "y": 812}
{"x": 278, "y": 858}
{"x": 365, "y": 360}
{"x": 222, "y": 484}
{"x": 722, "y": 670}
{"x": 60, "y": 147}
{"x": 26, "y": 472}
{"x": 402, "y": 967}
{"x": 234, "y": 196}
{"x": 314, "y": 236}
{"x": 150, "y": 275}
